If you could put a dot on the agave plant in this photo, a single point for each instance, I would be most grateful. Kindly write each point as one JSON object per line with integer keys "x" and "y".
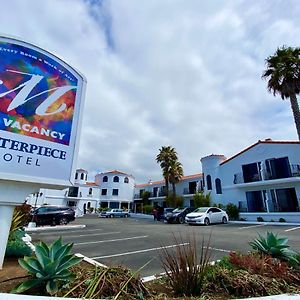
{"x": 275, "y": 247}
{"x": 49, "y": 267}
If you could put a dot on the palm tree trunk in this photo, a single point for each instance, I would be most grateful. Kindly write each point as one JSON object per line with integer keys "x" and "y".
{"x": 167, "y": 187}
{"x": 296, "y": 112}
{"x": 174, "y": 192}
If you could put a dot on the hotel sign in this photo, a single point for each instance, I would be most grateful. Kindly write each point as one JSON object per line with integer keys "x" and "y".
{"x": 40, "y": 114}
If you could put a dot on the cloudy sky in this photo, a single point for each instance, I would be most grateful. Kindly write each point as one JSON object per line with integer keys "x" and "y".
{"x": 185, "y": 73}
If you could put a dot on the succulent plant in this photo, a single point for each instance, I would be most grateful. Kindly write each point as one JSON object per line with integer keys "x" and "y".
{"x": 274, "y": 246}
{"x": 49, "y": 267}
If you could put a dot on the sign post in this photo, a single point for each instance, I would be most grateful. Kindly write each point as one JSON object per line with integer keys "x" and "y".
{"x": 41, "y": 104}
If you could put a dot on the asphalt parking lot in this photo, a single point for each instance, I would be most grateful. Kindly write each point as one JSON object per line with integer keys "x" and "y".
{"x": 134, "y": 242}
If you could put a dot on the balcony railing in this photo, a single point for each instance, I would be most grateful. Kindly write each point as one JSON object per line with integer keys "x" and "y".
{"x": 295, "y": 172}
{"x": 239, "y": 178}
{"x": 162, "y": 194}
{"x": 188, "y": 191}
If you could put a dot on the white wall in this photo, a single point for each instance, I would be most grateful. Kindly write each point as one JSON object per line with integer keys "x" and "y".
{"x": 262, "y": 151}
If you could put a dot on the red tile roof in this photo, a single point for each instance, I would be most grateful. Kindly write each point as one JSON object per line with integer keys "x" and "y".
{"x": 259, "y": 142}
{"x": 91, "y": 184}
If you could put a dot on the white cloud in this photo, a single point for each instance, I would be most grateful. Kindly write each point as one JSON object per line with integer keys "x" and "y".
{"x": 180, "y": 73}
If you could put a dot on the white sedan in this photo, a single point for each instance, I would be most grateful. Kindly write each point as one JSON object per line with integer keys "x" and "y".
{"x": 206, "y": 216}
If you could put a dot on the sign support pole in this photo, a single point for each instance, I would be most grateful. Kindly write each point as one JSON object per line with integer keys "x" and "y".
{"x": 6, "y": 213}
{"x": 12, "y": 194}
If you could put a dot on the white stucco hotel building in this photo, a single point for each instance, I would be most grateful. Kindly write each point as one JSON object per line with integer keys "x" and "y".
{"x": 112, "y": 189}
{"x": 263, "y": 180}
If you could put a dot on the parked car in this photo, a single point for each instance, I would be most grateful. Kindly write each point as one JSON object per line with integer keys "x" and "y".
{"x": 167, "y": 210}
{"x": 114, "y": 212}
{"x": 52, "y": 215}
{"x": 206, "y": 216}
{"x": 178, "y": 215}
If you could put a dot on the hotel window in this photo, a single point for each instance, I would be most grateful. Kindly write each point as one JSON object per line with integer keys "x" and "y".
{"x": 76, "y": 176}
{"x": 277, "y": 168}
{"x": 116, "y": 179}
{"x": 82, "y": 176}
{"x": 208, "y": 180}
{"x": 251, "y": 172}
{"x": 90, "y": 191}
{"x": 126, "y": 180}
{"x": 73, "y": 191}
{"x": 218, "y": 186}
{"x": 104, "y": 192}
{"x": 115, "y": 192}
{"x": 105, "y": 179}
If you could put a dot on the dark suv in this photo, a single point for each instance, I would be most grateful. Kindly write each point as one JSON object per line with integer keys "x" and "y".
{"x": 178, "y": 215}
{"x": 53, "y": 215}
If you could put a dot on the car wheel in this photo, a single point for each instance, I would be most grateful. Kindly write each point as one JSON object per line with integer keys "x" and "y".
{"x": 180, "y": 220}
{"x": 206, "y": 221}
{"x": 112, "y": 216}
{"x": 63, "y": 221}
{"x": 224, "y": 220}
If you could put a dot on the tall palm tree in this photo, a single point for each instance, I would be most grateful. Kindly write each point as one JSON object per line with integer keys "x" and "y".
{"x": 283, "y": 75}
{"x": 176, "y": 172}
{"x": 166, "y": 155}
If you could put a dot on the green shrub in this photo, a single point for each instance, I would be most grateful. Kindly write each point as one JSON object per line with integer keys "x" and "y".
{"x": 225, "y": 263}
{"x": 148, "y": 209}
{"x": 202, "y": 200}
{"x": 101, "y": 209}
{"x": 275, "y": 247}
{"x": 16, "y": 247}
{"x": 282, "y": 220}
{"x": 145, "y": 197}
{"x": 232, "y": 211}
{"x": 49, "y": 267}
{"x": 219, "y": 205}
{"x": 259, "y": 219}
{"x": 177, "y": 202}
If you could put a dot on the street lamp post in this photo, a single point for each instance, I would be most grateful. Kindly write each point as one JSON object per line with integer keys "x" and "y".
{"x": 37, "y": 195}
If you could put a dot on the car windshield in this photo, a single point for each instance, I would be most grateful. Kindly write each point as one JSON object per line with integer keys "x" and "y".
{"x": 178, "y": 210}
{"x": 201, "y": 209}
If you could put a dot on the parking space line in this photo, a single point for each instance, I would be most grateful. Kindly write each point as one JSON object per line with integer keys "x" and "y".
{"x": 291, "y": 229}
{"x": 66, "y": 231}
{"x": 115, "y": 240}
{"x": 260, "y": 225}
{"x": 87, "y": 235}
{"x": 139, "y": 251}
{"x": 218, "y": 249}
{"x": 88, "y": 230}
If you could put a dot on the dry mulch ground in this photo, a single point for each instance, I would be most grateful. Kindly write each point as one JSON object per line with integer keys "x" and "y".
{"x": 11, "y": 274}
